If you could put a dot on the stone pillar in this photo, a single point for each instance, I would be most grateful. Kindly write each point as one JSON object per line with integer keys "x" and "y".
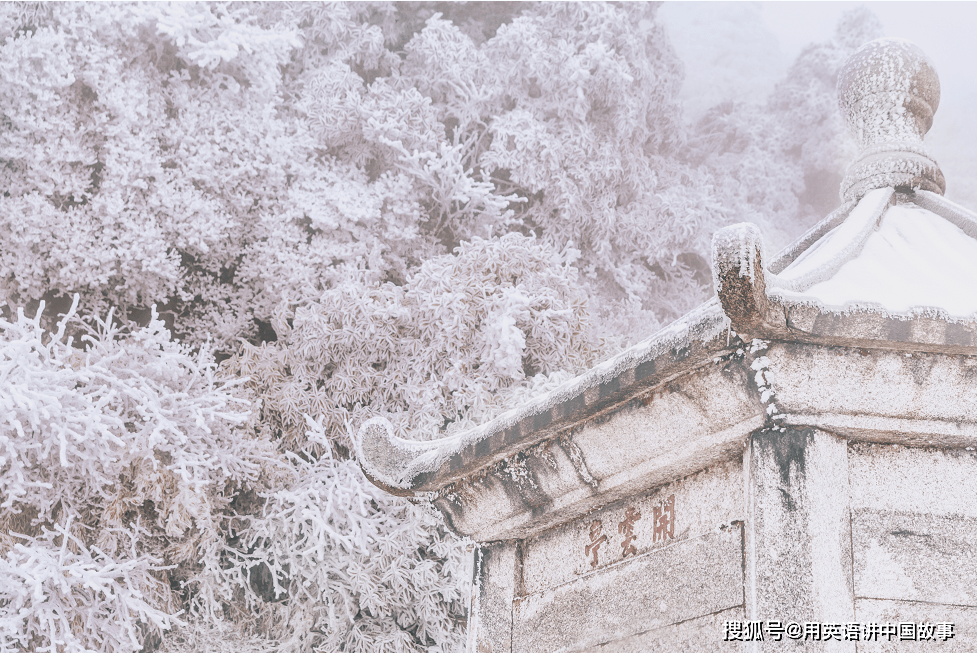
{"x": 798, "y": 532}
{"x": 498, "y": 571}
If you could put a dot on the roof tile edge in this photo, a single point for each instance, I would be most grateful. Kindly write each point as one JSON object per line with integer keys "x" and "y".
{"x": 412, "y": 468}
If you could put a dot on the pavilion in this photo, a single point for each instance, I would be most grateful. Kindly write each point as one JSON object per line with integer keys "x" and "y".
{"x": 791, "y": 463}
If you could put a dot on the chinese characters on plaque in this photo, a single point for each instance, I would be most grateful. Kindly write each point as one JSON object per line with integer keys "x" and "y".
{"x": 627, "y": 528}
{"x": 663, "y": 528}
{"x": 664, "y": 516}
{"x": 596, "y": 539}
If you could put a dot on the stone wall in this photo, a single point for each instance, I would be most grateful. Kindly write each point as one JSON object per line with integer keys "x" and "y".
{"x": 805, "y": 526}
{"x": 914, "y": 536}
{"x": 661, "y": 571}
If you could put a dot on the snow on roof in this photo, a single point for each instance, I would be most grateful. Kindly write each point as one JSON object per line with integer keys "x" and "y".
{"x": 906, "y": 258}
{"x": 826, "y": 255}
{"x": 916, "y": 258}
{"x": 902, "y": 246}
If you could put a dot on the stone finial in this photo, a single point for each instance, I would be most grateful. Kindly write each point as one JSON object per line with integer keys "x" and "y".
{"x": 889, "y": 91}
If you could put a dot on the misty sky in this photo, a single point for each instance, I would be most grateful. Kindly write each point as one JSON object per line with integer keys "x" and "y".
{"x": 738, "y": 50}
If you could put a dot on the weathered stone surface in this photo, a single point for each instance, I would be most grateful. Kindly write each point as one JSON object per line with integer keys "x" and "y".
{"x": 915, "y": 557}
{"x": 889, "y": 91}
{"x": 875, "y": 328}
{"x": 964, "y": 620}
{"x": 798, "y": 548}
{"x": 933, "y": 394}
{"x": 496, "y": 579}
{"x": 738, "y": 277}
{"x": 927, "y": 481}
{"x": 690, "y": 579}
{"x": 700, "y": 635}
{"x": 875, "y": 428}
{"x": 706, "y": 411}
{"x": 676, "y": 430}
{"x": 914, "y": 523}
{"x": 814, "y": 503}
{"x": 519, "y": 495}
{"x": 699, "y": 504}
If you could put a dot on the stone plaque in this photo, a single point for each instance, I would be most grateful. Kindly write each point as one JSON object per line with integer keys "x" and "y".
{"x": 689, "y": 579}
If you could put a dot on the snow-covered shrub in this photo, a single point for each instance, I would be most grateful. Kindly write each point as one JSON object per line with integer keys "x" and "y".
{"x": 343, "y": 565}
{"x": 326, "y": 561}
{"x": 133, "y": 488}
{"x": 448, "y": 347}
{"x": 347, "y": 567}
{"x": 116, "y": 464}
{"x": 68, "y": 597}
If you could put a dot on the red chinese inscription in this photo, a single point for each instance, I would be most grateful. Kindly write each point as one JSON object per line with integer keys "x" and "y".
{"x": 626, "y": 527}
{"x": 664, "y": 517}
{"x": 596, "y": 539}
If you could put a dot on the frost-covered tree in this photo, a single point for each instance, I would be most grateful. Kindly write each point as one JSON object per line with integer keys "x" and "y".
{"x": 446, "y": 348}
{"x": 779, "y": 163}
{"x": 360, "y": 570}
{"x": 150, "y": 156}
{"x": 117, "y": 463}
{"x": 137, "y": 486}
{"x": 216, "y": 159}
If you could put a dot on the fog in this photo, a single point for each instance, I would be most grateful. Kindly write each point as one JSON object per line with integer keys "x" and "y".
{"x": 738, "y": 51}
